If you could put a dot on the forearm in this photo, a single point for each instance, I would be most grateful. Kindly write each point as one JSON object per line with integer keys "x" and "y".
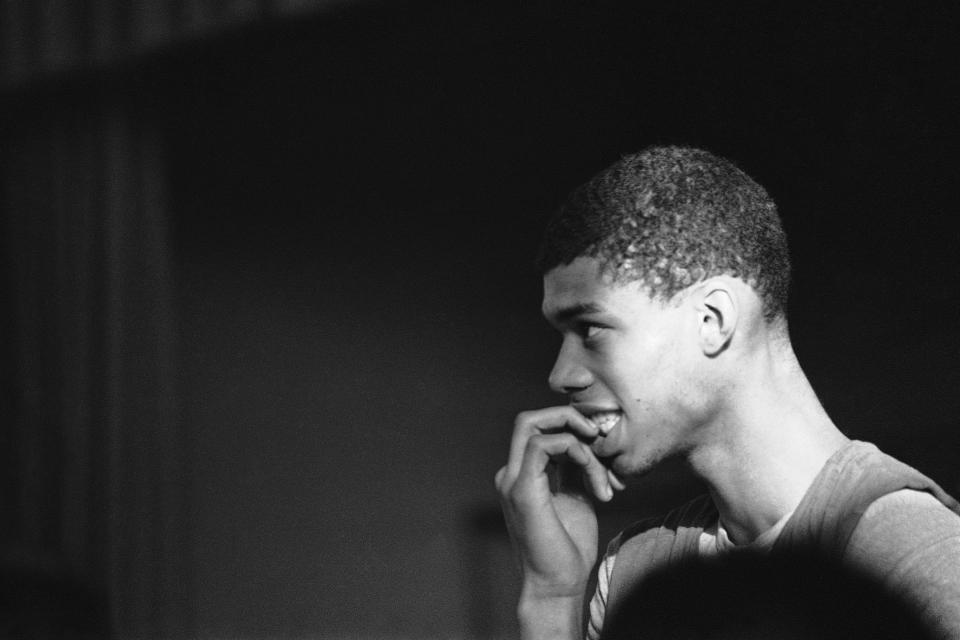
{"x": 551, "y": 619}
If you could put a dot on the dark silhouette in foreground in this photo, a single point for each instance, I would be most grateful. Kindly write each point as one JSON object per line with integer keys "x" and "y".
{"x": 747, "y": 596}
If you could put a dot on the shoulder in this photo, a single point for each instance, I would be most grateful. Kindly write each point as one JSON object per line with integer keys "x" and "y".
{"x": 903, "y": 523}
{"x": 642, "y": 547}
{"x": 686, "y": 521}
{"x": 911, "y": 542}
{"x": 653, "y": 542}
{"x": 855, "y": 479}
{"x": 909, "y": 502}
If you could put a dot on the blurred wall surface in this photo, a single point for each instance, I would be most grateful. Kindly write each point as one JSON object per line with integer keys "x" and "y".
{"x": 273, "y": 303}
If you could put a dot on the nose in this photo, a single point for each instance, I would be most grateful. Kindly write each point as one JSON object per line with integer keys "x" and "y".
{"x": 568, "y": 374}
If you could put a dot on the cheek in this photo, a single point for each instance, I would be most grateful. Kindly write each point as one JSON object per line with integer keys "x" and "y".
{"x": 664, "y": 385}
{"x": 630, "y": 378}
{"x": 644, "y": 375}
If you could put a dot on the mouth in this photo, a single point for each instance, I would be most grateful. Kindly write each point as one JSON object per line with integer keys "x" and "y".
{"x": 606, "y": 450}
{"x": 605, "y": 421}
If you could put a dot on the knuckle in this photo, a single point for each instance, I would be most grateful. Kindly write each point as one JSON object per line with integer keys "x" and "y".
{"x": 568, "y": 439}
{"x": 499, "y": 479}
{"x": 592, "y": 461}
{"x": 542, "y": 441}
{"x": 517, "y": 499}
{"x": 522, "y": 419}
{"x": 534, "y": 444}
{"x": 587, "y": 455}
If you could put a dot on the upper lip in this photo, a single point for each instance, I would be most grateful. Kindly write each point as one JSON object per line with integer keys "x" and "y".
{"x": 592, "y": 409}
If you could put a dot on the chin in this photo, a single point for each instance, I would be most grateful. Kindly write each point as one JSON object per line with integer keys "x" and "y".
{"x": 629, "y": 471}
{"x": 638, "y": 466}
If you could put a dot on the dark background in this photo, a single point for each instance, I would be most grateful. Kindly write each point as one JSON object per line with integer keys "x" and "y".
{"x": 352, "y": 201}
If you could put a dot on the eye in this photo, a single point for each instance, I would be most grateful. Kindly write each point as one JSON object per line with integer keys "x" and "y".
{"x": 590, "y": 331}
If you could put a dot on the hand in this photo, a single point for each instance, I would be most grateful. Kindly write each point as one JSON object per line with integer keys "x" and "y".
{"x": 544, "y": 493}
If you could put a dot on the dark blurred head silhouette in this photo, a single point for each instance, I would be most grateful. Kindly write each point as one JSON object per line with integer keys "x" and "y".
{"x": 746, "y": 596}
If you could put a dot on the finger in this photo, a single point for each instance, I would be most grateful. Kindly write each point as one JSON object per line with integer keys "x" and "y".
{"x": 594, "y": 473}
{"x": 569, "y": 419}
{"x": 542, "y": 449}
{"x": 615, "y": 481}
{"x": 550, "y": 420}
{"x": 498, "y": 479}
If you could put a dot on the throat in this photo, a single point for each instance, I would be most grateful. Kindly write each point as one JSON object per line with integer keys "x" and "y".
{"x": 757, "y": 487}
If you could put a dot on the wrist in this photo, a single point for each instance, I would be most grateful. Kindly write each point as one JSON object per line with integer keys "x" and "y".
{"x": 553, "y": 617}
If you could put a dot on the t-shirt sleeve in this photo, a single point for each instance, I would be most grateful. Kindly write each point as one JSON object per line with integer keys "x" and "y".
{"x": 598, "y": 604}
{"x": 911, "y": 542}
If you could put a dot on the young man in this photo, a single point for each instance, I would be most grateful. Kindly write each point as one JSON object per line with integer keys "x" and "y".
{"x": 667, "y": 277}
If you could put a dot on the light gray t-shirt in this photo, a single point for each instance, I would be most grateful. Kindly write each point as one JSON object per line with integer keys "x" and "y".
{"x": 907, "y": 539}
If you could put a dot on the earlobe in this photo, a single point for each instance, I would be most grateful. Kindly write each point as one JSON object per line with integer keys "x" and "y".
{"x": 718, "y": 320}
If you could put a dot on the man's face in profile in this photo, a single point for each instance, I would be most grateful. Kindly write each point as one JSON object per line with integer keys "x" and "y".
{"x": 624, "y": 363}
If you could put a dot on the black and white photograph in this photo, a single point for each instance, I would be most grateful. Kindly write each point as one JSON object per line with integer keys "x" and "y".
{"x": 426, "y": 320}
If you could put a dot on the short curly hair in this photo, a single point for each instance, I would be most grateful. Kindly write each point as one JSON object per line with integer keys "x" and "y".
{"x": 671, "y": 217}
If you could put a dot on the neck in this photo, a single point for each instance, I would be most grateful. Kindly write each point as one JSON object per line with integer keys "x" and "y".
{"x": 766, "y": 445}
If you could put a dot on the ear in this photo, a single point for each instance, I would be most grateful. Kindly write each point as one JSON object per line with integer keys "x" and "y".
{"x": 718, "y": 318}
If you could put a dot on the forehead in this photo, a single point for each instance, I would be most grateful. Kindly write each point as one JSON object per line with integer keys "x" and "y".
{"x": 582, "y": 286}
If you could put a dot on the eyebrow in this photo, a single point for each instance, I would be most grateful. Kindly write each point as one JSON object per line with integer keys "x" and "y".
{"x": 565, "y": 314}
